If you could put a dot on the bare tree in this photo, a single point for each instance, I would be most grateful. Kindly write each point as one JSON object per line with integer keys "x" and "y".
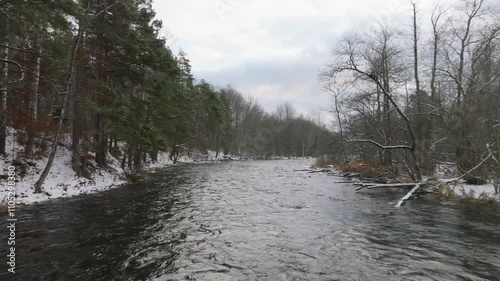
{"x": 351, "y": 57}
{"x": 464, "y": 48}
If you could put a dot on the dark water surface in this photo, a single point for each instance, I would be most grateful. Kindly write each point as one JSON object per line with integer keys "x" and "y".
{"x": 253, "y": 221}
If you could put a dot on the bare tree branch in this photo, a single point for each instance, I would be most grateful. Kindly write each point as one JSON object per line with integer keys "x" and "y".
{"x": 19, "y": 66}
{"x": 24, "y": 69}
{"x": 20, "y": 50}
{"x": 408, "y": 196}
{"x": 402, "y": 146}
{"x": 107, "y": 8}
{"x": 488, "y": 147}
{"x": 490, "y": 154}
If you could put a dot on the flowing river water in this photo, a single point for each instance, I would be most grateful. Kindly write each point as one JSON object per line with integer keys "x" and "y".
{"x": 255, "y": 220}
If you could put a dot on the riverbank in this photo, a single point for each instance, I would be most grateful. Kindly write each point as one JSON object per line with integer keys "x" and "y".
{"x": 445, "y": 187}
{"x": 462, "y": 191}
{"x": 61, "y": 182}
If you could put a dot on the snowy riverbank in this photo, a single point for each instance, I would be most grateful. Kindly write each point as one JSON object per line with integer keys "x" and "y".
{"x": 459, "y": 189}
{"x": 468, "y": 192}
{"x": 61, "y": 181}
{"x": 445, "y": 185}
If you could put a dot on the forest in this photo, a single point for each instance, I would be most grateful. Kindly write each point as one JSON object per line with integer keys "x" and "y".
{"x": 96, "y": 77}
{"x": 129, "y": 153}
{"x": 412, "y": 98}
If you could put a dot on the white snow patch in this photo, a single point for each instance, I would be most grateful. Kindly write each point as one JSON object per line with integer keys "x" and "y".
{"x": 487, "y": 190}
{"x": 62, "y": 181}
{"x": 476, "y": 191}
{"x": 446, "y": 169}
{"x": 163, "y": 160}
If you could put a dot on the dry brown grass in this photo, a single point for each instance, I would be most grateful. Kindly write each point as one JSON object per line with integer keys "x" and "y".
{"x": 364, "y": 170}
{"x": 322, "y": 162}
{"x": 444, "y": 192}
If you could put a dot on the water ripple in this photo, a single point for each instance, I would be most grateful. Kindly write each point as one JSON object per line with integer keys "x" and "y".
{"x": 254, "y": 221}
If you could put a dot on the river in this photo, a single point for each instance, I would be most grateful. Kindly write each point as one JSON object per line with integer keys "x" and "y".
{"x": 254, "y": 220}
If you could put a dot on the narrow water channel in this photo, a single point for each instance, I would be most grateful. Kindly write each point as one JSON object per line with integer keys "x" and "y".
{"x": 256, "y": 220}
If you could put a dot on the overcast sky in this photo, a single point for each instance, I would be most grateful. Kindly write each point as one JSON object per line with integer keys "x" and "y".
{"x": 271, "y": 50}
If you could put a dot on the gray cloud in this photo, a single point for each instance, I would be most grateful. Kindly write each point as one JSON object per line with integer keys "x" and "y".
{"x": 272, "y": 51}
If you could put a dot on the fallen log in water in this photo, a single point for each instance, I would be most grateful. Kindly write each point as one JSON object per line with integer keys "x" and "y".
{"x": 321, "y": 171}
{"x": 376, "y": 185}
{"x": 408, "y": 196}
{"x": 311, "y": 171}
{"x": 416, "y": 186}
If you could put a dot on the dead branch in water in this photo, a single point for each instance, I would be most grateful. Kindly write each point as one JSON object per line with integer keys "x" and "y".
{"x": 310, "y": 171}
{"x": 374, "y": 185}
{"x": 408, "y": 196}
{"x": 416, "y": 186}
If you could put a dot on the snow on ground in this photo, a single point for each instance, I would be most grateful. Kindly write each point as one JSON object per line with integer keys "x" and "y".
{"x": 462, "y": 190}
{"x": 476, "y": 191}
{"x": 163, "y": 161}
{"x": 447, "y": 171}
{"x": 62, "y": 182}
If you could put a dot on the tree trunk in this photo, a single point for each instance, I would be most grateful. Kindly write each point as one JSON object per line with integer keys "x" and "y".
{"x": 99, "y": 124}
{"x": 4, "y": 91}
{"x": 217, "y": 140}
{"x": 28, "y": 151}
{"x": 124, "y": 159}
{"x": 431, "y": 120}
{"x": 387, "y": 154}
{"x": 423, "y": 138}
{"x": 76, "y": 94}
{"x": 138, "y": 158}
{"x": 154, "y": 156}
{"x": 461, "y": 155}
{"x": 384, "y": 73}
{"x": 110, "y": 144}
{"x": 130, "y": 161}
{"x": 69, "y": 81}
{"x": 415, "y": 54}
{"x": 409, "y": 125}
